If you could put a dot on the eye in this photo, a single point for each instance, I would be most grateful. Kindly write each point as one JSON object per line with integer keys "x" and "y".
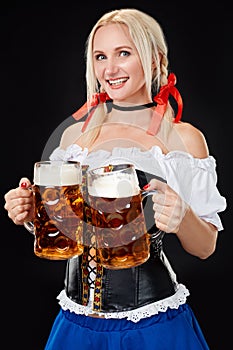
{"x": 100, "y": 57}
{"x": 124, "y": 53}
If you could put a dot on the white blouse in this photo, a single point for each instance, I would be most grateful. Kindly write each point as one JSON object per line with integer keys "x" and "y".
{"x": 194, "y": 179}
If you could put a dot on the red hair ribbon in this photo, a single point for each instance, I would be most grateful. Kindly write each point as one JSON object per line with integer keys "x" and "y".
{"x": 89, "y": 107}
{"x": 162, "y": 99}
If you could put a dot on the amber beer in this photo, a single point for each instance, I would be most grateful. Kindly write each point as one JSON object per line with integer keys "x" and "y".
{"x": 117, "y": 216}
{"x": 58, "y": 209}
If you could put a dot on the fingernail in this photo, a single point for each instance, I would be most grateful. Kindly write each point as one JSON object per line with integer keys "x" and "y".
{"x": 23, "y": 185}
{"x": 146, "y": 186}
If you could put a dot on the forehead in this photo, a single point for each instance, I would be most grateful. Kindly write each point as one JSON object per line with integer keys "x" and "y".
{"x": 114, "y": 34}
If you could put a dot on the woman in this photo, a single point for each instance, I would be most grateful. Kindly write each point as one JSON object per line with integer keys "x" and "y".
{"x": 129, "y": 119}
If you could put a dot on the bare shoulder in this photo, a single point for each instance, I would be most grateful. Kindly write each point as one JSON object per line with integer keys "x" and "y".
{"x": 193, "y": 140}
{"x": 71, "y": 135}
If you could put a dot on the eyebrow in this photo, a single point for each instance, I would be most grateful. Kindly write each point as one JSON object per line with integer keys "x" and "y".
{"x": 118, "y": 48}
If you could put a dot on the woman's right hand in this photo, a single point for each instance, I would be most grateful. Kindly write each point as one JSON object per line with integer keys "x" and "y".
{"x": 19, "y": 203}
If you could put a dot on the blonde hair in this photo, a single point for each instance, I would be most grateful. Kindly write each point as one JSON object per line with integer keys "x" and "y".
{"x": 151, "y": 45}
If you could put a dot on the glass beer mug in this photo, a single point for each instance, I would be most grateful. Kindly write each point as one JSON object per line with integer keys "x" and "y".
{"x": 115, "y": 198}
{"x": 58, "y": 210}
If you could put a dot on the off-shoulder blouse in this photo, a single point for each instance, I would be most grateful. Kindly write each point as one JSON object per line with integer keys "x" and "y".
{"x": 194, "y": 179}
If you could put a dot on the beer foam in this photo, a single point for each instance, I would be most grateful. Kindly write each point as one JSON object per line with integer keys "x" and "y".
{"x": 56, "y": 175}
{"x": 114, "y": 186}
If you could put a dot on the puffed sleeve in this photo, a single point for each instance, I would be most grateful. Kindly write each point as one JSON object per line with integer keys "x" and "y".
{"x": 196, "y": 182}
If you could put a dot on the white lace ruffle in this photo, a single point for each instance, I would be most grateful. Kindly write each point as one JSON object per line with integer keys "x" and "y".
{"x": 73, "y": 152}
{"x": 136, "y": 315}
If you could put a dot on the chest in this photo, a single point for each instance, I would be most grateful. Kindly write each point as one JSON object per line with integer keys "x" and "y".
{"x": 115, "y": 135}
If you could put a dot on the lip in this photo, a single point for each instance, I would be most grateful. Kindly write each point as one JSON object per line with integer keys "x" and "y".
{"x": 117, "y": 82}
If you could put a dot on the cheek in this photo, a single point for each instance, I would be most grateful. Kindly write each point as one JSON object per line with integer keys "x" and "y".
{"x": 136, "y": 69}
{"x": 139, "y": 72}
{"x": 98, "y": 72}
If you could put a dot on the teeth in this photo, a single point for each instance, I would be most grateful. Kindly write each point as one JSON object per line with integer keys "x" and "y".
{"x": 118, "y": 81}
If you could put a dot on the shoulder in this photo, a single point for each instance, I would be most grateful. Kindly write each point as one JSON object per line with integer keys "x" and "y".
{"x": 71, "y": 135}
{"x": 192, "y": 139}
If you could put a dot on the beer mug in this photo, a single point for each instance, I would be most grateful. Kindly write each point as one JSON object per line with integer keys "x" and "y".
{"x": 58, "y": 210}
{"x": 115, "y": 198}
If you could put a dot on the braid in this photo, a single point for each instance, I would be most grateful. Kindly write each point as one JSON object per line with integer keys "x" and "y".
{"x": 166, "y": 124}
{"x": 163, "y": 70}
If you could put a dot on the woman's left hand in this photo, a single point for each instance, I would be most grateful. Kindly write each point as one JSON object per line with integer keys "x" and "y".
{"x": 169, "y": 208}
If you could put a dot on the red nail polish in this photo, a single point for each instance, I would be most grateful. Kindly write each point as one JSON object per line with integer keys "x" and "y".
{"x": 146, "y": 186}
{"x": 23, "y": 185}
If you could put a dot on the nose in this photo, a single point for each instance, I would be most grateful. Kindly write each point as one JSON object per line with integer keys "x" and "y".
{"x": 111, "y": 67}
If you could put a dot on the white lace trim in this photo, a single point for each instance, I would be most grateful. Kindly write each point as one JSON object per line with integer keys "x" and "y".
{"x": 136, "y": 315}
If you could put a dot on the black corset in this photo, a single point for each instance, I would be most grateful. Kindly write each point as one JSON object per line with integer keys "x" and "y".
{"x": 124, "y": 289}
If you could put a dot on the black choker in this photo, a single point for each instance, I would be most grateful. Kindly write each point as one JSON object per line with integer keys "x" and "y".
{"x": 110, "y": 105}
{"x": 133, "y": 108}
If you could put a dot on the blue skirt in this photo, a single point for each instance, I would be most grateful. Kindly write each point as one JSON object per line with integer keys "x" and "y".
{"x": 176, "y": 329}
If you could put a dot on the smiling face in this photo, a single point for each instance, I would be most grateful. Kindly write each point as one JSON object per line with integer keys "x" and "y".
{"x": 117, "y": 65}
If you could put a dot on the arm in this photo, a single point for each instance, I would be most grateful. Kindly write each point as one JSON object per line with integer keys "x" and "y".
{"x": 172, "y": 214}
{"x": 197, "y": 236}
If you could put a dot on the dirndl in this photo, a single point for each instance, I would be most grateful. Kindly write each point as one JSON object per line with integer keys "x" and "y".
{"x": 175, "y": 329}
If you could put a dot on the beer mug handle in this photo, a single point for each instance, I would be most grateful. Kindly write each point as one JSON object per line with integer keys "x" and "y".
{"x": 147, "y": 193}
{"x": 158, "y": 234}
{"x": 29, "y": 226}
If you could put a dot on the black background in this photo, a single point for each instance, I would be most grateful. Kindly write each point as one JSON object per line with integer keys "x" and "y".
{"x": 43, "y": 81}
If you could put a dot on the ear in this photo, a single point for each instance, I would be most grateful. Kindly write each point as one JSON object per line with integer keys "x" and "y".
{"x": 153, "y": 65}
{"x": 153, "y": 68}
